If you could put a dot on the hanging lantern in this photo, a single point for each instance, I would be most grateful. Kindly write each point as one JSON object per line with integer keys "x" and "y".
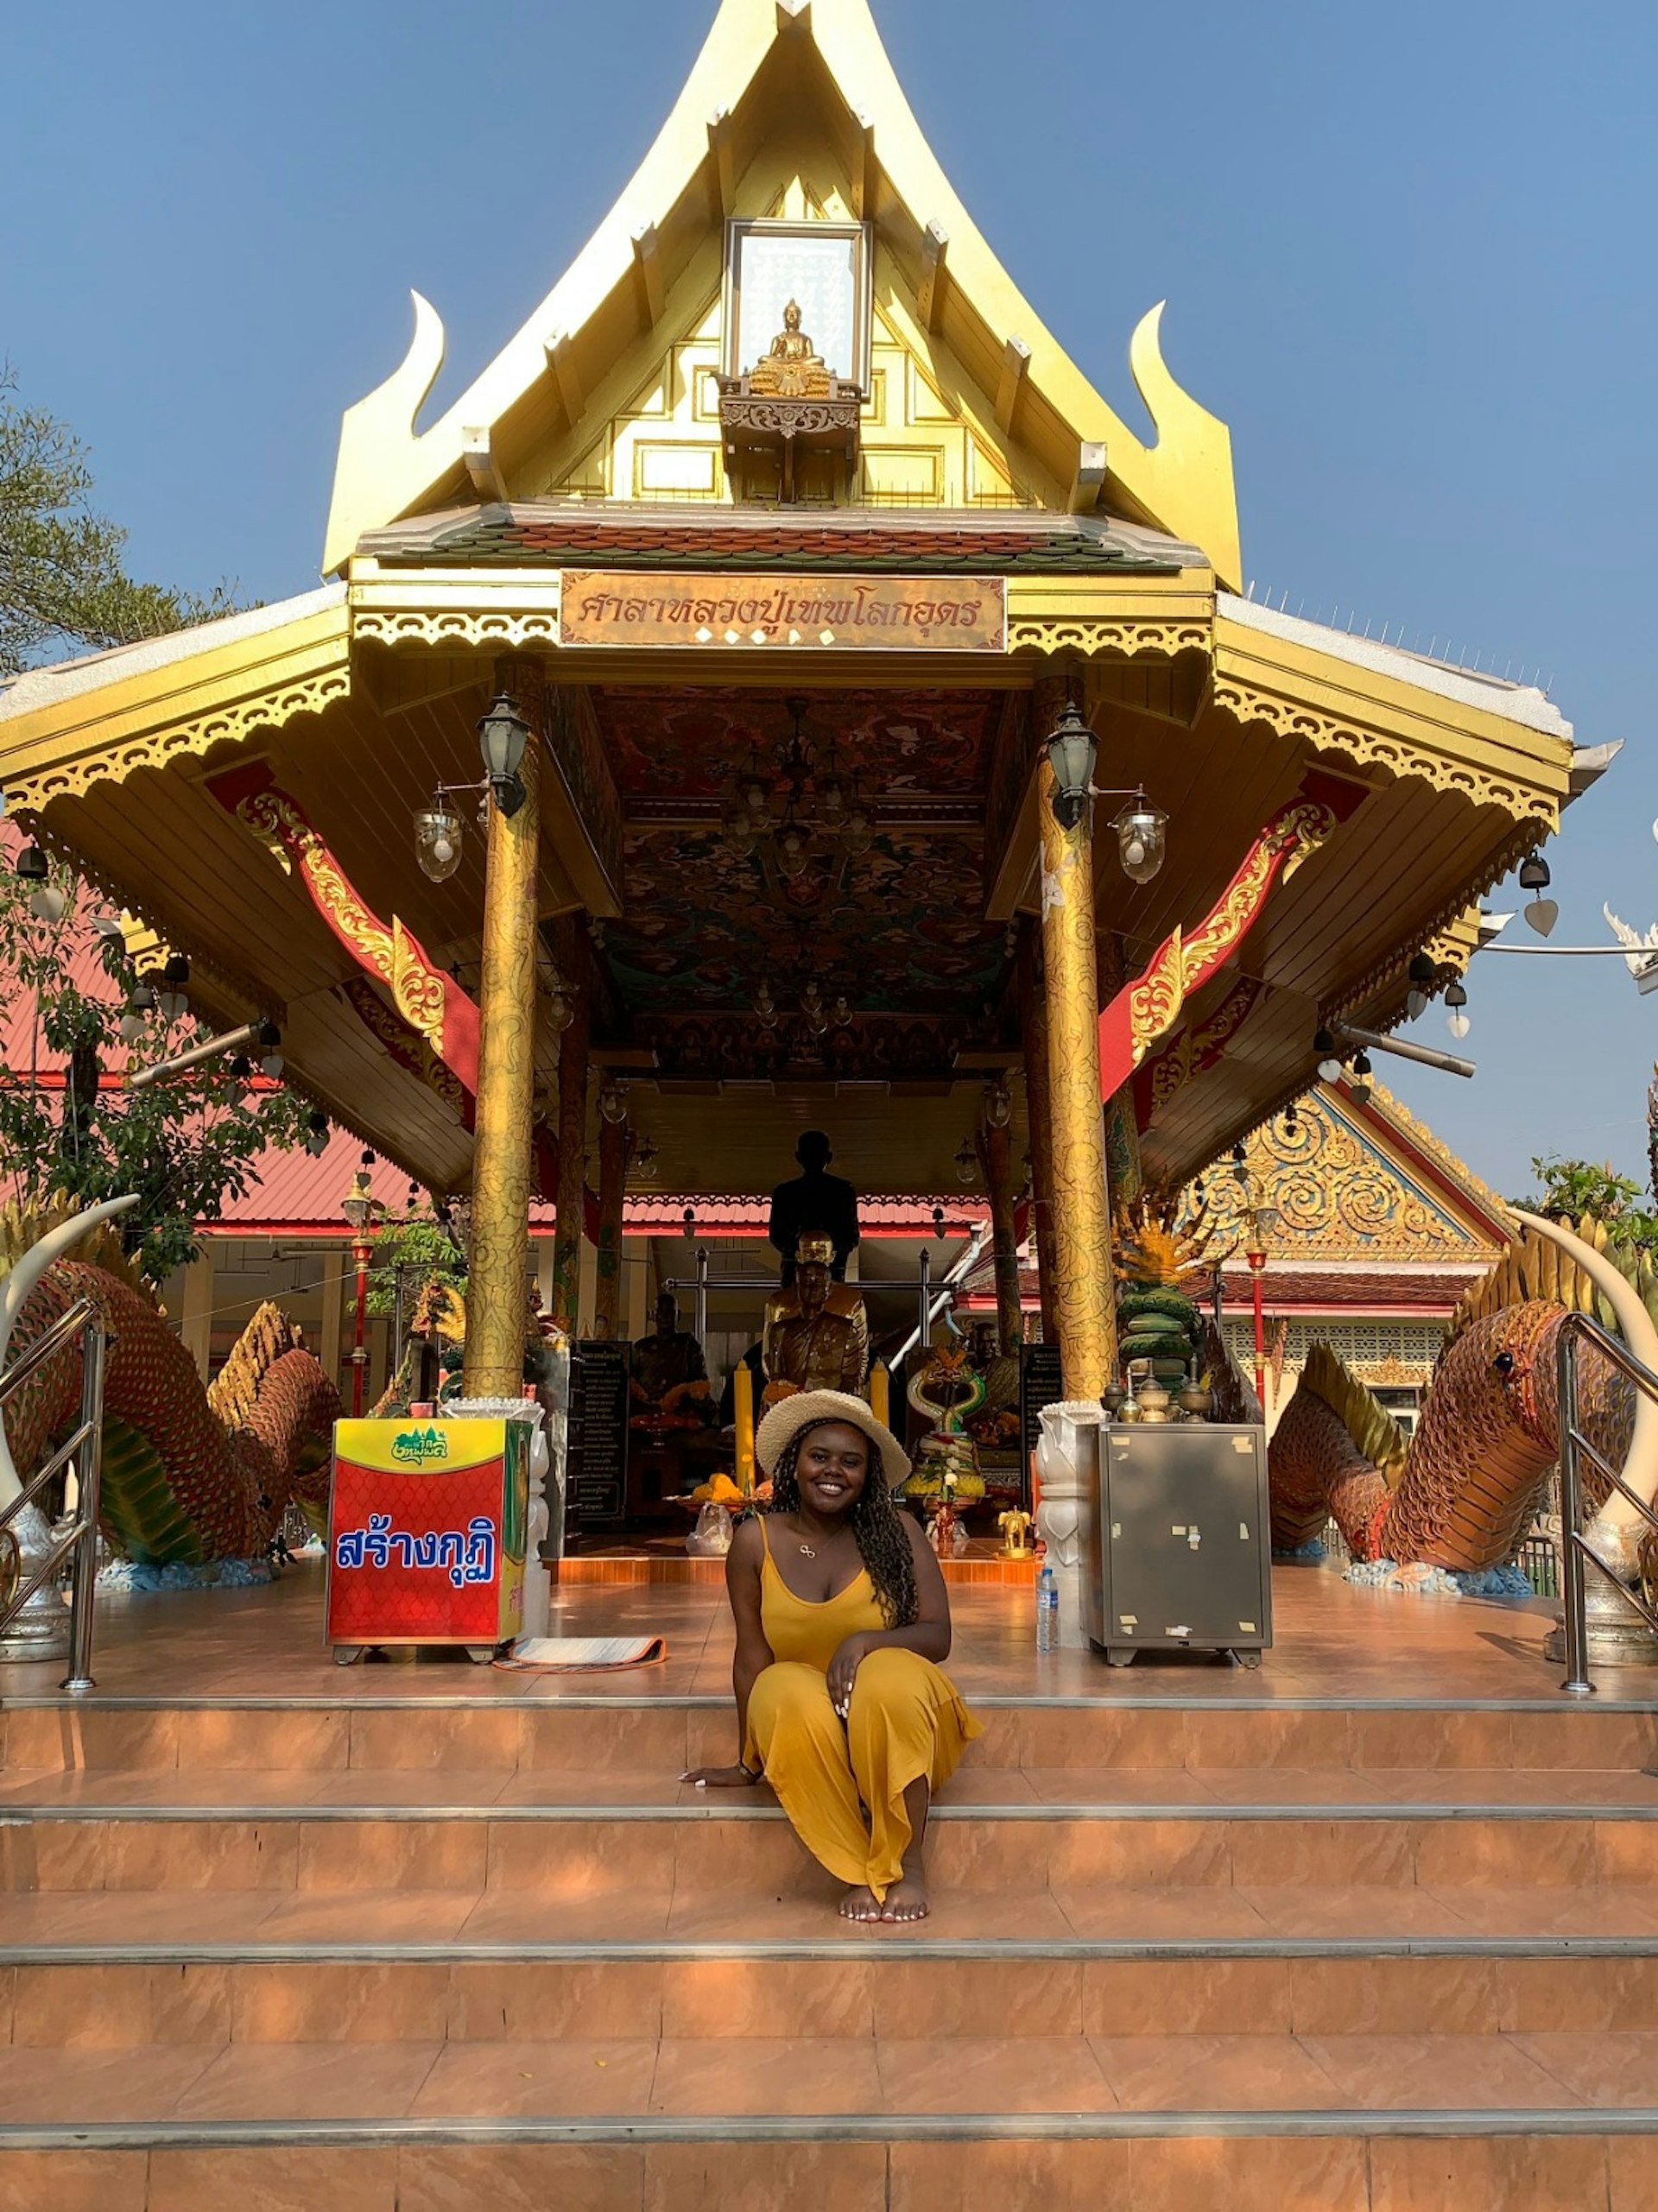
{"x": 438, "y": 834}
{"x": 1072, "y": 750}
{"x": 502, "y": 736}
{"x": 998, "y": 1106}
{"x": 613, "y": 1101}
{"x": 1142, "y": 831}
{"x": 765, "y": 1007}
{"x": 966, "y": 1163}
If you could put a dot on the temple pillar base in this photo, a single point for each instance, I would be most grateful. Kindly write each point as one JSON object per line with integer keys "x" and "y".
{"x": 42, "y": 1629}
{"x": 1067, "y": 1464}
{"x": 1618, "y": 1635}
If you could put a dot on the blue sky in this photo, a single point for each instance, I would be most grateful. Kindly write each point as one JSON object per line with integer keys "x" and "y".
{"x": 1409, "y": 256}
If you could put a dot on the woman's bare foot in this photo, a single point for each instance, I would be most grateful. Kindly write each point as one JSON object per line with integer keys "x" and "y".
{"x": 907, "y": 1899}
{"x": 860, "y": 1903}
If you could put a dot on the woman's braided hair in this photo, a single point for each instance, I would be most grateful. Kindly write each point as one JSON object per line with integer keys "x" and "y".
{"x": 877, "y": 1526}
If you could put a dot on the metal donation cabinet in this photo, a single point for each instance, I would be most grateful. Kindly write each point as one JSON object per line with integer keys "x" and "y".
{"x": 426, "y": 1534}
{"x": 1178, "y": 1554}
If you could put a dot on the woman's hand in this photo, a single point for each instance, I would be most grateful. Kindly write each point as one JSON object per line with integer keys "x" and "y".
{"x": 843, "y": 1671}
{"x": 722, "y": 1777}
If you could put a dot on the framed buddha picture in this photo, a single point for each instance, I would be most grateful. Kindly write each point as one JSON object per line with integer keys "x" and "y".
{"x": 819, "y": 270}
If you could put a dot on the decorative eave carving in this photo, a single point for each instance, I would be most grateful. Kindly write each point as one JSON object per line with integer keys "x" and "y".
{"x": 1381, "y": 721}
{"x": 180, "y": 710}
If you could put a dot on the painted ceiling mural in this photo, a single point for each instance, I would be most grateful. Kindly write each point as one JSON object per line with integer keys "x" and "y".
{"x": 687, "y": 744}
{"x": 898, "y": 931}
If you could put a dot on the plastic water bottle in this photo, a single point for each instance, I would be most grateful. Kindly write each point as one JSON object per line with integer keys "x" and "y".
{"x": 1048, "y": 1612}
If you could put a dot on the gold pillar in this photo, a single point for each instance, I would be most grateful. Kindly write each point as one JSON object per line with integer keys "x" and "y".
{"x": 615, "y": 1149}
{"x": 995, "y": 1158}
{"x": 574, "y": 956}
{"x": 1085, "y": 1305}
{"x": 495, "y": 1288}
{"x": 1038, "y": 1113}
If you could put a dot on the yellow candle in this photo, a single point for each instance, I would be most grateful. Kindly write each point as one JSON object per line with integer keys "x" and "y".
{"x": 879, "y": 1383}
{"x": 743, "y": 1393}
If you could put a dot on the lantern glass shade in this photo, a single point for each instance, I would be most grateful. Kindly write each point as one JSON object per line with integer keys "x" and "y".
{"x": 502, "y": 736}
{"x": 357, "y": 1204}
{"x": 966, "y": 1163}
{"x": 1141, "y": 832}
{"x": 1072, "y": 750}
{"x": 438, "y": 835}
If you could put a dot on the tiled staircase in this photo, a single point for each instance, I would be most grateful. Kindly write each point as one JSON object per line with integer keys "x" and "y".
{"x": 430, "y": 1954}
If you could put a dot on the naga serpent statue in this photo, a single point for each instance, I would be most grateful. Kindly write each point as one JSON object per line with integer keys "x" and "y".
{"x": 1460, "y": 1494}
{"x": 191, "y": 1474}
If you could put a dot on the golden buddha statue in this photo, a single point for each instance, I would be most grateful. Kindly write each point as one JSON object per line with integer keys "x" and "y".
{"x": 817, "y": 1332}
{"x": 792, "y": 370}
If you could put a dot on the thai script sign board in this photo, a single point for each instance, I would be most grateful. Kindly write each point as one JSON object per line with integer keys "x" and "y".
{"x": 427, "y": 1532}
{"x": 908, "y": 614}
{"x": 601, "y": 1371}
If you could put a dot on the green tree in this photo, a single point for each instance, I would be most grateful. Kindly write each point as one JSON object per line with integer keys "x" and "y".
{"x": 1569, "y": 1189}
{"x": 415, "y": 1249}
{"x": 184, "y": 1145}
{"x": 63, "y": 580}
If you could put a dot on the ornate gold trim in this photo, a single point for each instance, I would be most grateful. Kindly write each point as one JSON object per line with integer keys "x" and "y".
{"x": 1095, "y": 636}
{"x": 196, "y": 735}
{"x": 482, "y": 629}
{"x": 1396, "y": 755}
{"x": 417, "y": 991}
{"x": 1423, "y": 1138}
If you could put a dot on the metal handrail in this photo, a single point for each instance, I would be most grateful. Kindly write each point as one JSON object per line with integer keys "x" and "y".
{"x": 1575, "y": 1548}
{"x": 85, "y": 1445}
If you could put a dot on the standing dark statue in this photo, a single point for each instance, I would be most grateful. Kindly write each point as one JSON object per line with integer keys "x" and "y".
{"x": 815, "y": 1203}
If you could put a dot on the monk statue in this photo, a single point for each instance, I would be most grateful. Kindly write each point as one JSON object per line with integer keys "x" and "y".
{"x": 670, "y": 1376}
{"x": 817, "y": 1332}
{"x": 792, "y": 370}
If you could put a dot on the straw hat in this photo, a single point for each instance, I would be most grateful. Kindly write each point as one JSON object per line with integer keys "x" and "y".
{"x": 807, "y": 1407}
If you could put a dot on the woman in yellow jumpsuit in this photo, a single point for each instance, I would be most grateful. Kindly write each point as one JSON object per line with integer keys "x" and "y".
{"x": 842, "y": 1617}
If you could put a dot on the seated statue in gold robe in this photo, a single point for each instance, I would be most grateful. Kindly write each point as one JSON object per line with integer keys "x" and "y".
{"x": 817, "y": 1332}
{"x": 792, "y": 370}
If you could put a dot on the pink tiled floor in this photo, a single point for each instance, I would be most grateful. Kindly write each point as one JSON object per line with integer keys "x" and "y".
{"x": 1333, "y": 1641}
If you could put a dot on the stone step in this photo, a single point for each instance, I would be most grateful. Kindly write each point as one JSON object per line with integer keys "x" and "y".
{"x": 359, "y": 1997}
{"x": 1261, "y": 2123}
{"x": 708, "y": 1917}
{"x": 586, "y": 1729}
{"x": 583, "y": 1843}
